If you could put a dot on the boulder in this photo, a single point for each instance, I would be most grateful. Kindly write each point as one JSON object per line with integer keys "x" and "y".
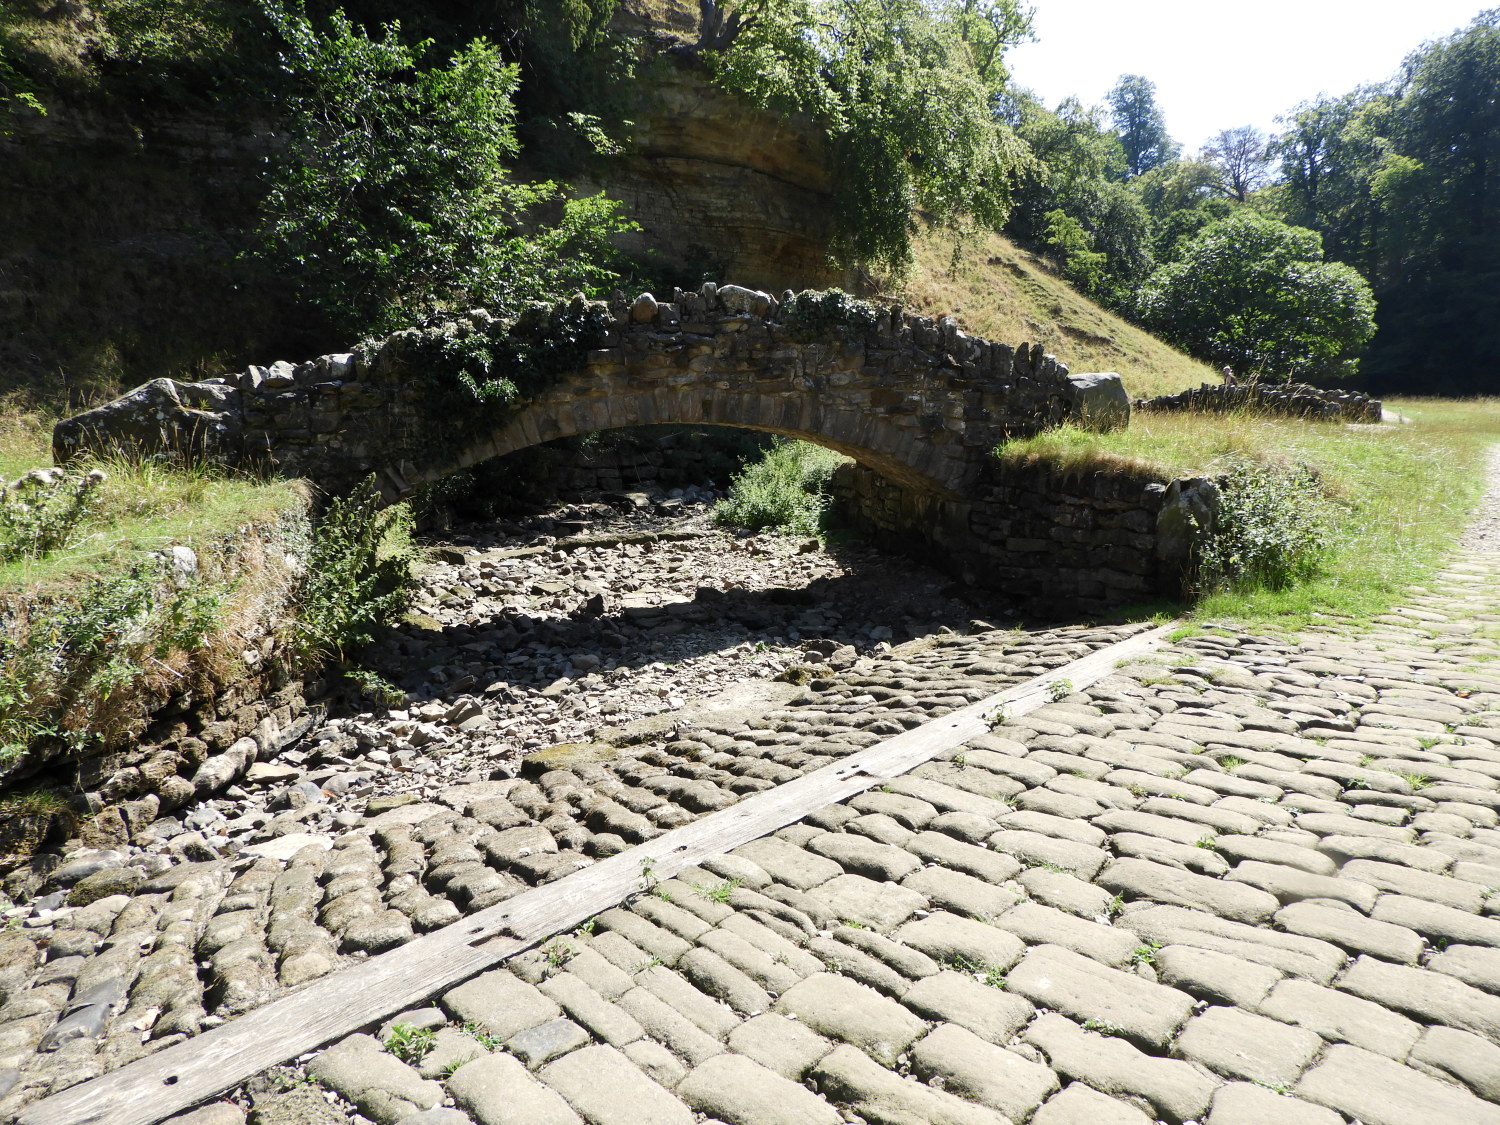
{"x": 1100, "y": 400}
{"x": 163, "y": 414}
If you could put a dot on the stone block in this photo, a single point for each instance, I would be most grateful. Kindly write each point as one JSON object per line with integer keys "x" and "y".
{"x": 982, "y": 1072}
{"x": 848, "y": 1077}
{"x": 1237, "y": 1044}
{"x": 1119, "y": 1002}
{"x": 852, "y": 1013}
{"x": 1177, "y": 1090}
{"x": 1380, "y": 1091}
{"x": 739, "y": 1091}
{"x": 501, "y": 1003}
{"x": 1341, "y": 1018}
{"x": 989, "y": 1012}
{"x": 608, "y": 1089}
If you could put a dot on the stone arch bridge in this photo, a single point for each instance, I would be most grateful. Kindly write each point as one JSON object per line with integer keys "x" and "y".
{"x": 912, "y": 398}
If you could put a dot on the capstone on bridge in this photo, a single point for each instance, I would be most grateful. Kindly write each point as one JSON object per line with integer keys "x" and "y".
{"x": 913, "y": 398}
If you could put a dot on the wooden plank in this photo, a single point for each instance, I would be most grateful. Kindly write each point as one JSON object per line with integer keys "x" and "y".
{"x": 171, "y": 1080}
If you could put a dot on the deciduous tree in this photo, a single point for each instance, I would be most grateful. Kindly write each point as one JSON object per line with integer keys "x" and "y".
{"x": 1140, "y": 124}
{"x": 1255, "y": 294}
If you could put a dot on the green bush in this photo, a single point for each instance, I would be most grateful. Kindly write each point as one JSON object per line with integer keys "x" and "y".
{"x": 70, "y": 662}
{"x": 1271, "y": 530}
{"x": 787, "y": 491}
{"x": 40, "y": 511}
{"x": 358, "y": 574}
{"x": 394, "y": 198}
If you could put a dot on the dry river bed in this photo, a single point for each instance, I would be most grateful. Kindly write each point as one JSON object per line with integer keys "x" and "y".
{"x": 1245, "y": 879}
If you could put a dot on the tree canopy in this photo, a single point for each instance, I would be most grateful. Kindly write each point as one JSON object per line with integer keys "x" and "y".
{"x": 905, "y": 91}
{"x": 394, "y": 198}
{"x": 1403, "y": 181}
{"x": 1140, "y": 124}
{"x": 1255, "y": 294}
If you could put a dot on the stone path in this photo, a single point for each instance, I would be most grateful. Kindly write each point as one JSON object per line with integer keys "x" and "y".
{"x": 1250, "y": 880}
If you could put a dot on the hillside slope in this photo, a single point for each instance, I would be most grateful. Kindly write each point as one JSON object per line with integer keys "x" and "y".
{"x": 997, "y": 290}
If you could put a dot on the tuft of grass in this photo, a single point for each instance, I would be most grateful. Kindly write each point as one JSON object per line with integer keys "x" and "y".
{"x": 719, "y": 892}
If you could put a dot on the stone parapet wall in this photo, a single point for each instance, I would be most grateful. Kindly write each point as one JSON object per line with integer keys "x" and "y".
{"x": 1059, "y": 544}
{"x": 1283, "y": 400}
{"x": 916, "y": 398}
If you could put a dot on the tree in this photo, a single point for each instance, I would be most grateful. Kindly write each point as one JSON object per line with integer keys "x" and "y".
{"x": 394, "y": 198}
{"x": 1140, "y": 124}
{"x": 1332, "y": 154}
{"x": 1242, "y": 159}
{"x": 1256, "y": 294}
{"x": 905, "y": 91}
{"x": 1070, "y": 200}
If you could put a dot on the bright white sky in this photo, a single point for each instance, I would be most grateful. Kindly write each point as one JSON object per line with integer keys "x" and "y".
{"x": 1218, "y": 65}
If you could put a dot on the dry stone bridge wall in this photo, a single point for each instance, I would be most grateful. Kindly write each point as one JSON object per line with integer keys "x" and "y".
{"x": 914, "y": 398}
{"x": 917, "y": 402}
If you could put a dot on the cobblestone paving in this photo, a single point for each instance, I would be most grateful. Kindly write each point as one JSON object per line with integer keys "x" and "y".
{"x": 128, "y": 969}
{"x": 1248, "y": 880}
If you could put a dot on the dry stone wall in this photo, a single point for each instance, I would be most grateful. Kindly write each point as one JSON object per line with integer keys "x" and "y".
{"x": 1060, "y": 544}
{"x": 1285, "y": 400}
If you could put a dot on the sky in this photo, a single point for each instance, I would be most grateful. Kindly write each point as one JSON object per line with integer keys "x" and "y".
{"x": 1220, "y": 65}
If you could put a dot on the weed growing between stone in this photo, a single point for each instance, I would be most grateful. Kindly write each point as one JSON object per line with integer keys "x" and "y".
{"x": 786, "y": 491}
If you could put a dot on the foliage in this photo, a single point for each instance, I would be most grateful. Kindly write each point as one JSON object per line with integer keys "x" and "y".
{"x": 1140, "y": 125}
{"x": 831, "y": 313}
{"x": 1070, "y": 199}
{"x": 40, "y": 511}
{"x": 1242, "y": 159}
{"x": 16, "y": 93}
{"x": 409, "y": 1043}
{"x": 1255, "y": 294}
{"x": 1270, "y": 530}
{"x": 1065, "y": 236}
{"x": 1400, "y": 178}
{"x": 63, "y": 659}
{"x": 1399, "y": 496}
{"x": 786, "y": 491}
{"x": 904, "y": 91}
{"x": 358, "y": 575}
{"x": 394, "y": 200}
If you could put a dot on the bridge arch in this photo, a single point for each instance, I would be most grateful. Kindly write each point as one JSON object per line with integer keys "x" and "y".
{"x": 914, "y": 398}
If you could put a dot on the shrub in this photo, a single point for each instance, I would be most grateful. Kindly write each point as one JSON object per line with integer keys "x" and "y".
{"x": 787, "y": 491}
{"x": 1270, "y": 531}
{"x": 358, "y": 574}
{"x": 39, "y": 511}
{"x": 394, "y": 198}
{"x": 69, "y": 662}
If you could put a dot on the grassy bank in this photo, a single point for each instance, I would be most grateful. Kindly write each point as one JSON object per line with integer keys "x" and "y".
{"x": 99, "y": 623}
{"x": 1400, "y": 495}
{"x": 996, "y": 290}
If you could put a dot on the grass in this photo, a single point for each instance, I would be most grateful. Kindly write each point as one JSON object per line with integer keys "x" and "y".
{"x": 96, "y": 633}
{"x": 997, "y": 290}
{"x": 1401, "y": 493}
{"x": 141, "y": 507}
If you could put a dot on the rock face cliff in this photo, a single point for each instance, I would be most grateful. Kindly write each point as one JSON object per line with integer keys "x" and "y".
{"x": 118, "y": 256}
{"x": 722, "y": 189}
